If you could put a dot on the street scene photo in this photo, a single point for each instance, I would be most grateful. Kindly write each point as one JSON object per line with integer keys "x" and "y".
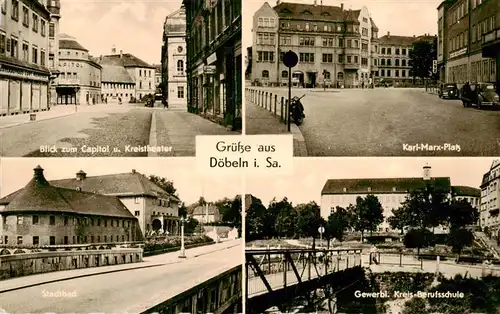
{"x": 106, "y": 235}
{"x": 372, "y": 78}
{"x": 375, "y": 235}
{"x": 118, "y": 78}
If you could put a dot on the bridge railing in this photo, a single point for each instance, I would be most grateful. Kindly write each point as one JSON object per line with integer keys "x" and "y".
{"x": 219, "y": 294}
{"x": 269, "y": 270}
{"x": 274, "y": 102}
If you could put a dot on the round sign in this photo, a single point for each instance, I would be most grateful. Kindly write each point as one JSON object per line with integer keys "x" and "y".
{"x": 290, "y": 59}
{"x": 321, "y": 229}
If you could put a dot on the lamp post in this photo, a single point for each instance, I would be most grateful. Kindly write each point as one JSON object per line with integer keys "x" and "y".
{"x": 183, "y": 220}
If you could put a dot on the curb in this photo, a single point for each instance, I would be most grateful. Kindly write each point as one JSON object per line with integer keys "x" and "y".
{"x": 29, "y": 122}
{"x": 299, "y": 143}
{"x": 153, "y": 140}
{"x": 222, "y": 249}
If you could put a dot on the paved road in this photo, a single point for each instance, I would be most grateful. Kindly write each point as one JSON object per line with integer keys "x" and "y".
{"x": 129, "y": 291}
{"x": 378, "y": 122}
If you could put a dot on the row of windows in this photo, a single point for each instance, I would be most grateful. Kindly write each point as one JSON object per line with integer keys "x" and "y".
{"x": 483, "y": 27}
{"x": 396, "y": 73}
{"x": 35, "y": 220}
{"x": 397, "y": 62}
{"x": 326, "y": 75}
{"x": 266, "y": 22}
{"x": 266, "y": 39}
{"x": 37, "y": 23}
{"x": 10, "y": 47}
{"x": 76, "y": 239}
{"x": 458, "y": 12}
{"x": 481, "y": 71}
{"x": 117, "y": 86}
{"x": 147, "y": 73}
{"x": 397, "y": 51}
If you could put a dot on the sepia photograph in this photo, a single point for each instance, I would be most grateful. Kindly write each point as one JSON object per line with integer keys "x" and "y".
{"x": 106, "y": 235}
{"x": 375, "y": 235}
{"x": 120, "y": 78}
{"x": 373, "y": 77}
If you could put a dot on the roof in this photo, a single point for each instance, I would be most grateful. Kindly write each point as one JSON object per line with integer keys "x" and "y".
{"x": 115, "y": 74}
{"x": 71, "y": 44}
{"x": 460, "y": 190}
{"x": 315, "y": 12}
{"x": 41, "y": 196}
{"x": 126, "y": 60}
{"x": 157, "y": 67}
{"x": 397, "y": 40}
{"x": 381, "y": 185}
{"x": 202, "y": 210}
{"x": 123, "y": 184}
{"x": 374, "y": 26}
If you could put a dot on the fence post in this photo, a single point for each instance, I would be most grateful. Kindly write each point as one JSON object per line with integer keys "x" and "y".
{"x": 284, "y": 270}
{"x": 400, "y": 259}
{"x": 258, "y": 98}
{"x": 270, "y": 101}
{"x": 282, "y": 105}
{"x": 265, "y": 99}
{"x": 275, "y": 101}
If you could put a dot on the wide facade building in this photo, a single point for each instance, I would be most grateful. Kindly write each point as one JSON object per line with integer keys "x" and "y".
{"x": 79, "y": 80}
{"x": 141, "y": 73}
{"x": 214, "y": 60}
{"x": 173, "y": 74}
{"x": 24, "y": 48}
{"x": 469, "y": 39}
{"x": 490, "y": 200}
{"x": 116, "y": 84}
{"x": 336, "y": 47}
{"x": 41, "y": 214}
{"x": 391, "y": 192}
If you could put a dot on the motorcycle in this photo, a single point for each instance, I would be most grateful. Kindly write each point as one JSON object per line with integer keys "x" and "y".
{"x": 297, "y": 110}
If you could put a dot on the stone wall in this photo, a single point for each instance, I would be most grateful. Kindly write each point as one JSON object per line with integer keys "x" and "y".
{"x": 34, "y": 263}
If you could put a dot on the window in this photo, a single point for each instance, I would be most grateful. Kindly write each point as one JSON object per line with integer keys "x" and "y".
{"x": 327, "y": 42}
{"x": 382, "y": 51}
{"x": 180, "y": 92}
{"x": 389, "y": 73}
{"x": 51, "y": 30}
{"x": 66, "y": 240}
{"x": 284, "y": 74}
{"x": 397, "y": 73}
{"x": 364, "y": 61}
{"x": 35, "y": 23}
{"x": 26, "y": 16}
{"x": 2, "y": 43}
{"x": 364, "y": 31}
{"x": 26, "y": 52}
{"x": 341, "y": 58}
{"x": 397, "y": 62}
{"x": 19, "y": 240}
{"x": 341, "y": 42}
{"x": 35, "y": 220}
{"x": 13, "y": 47}
{"x": 364, "y": 46}
{"x": 52, "y": 240}
{"x": 15, "y": 10}
{"x": 389, "y": 51}
{"x": 340, "y": 76}
{"x": 306, "y": 41}
{"x": 326, "y": 75}
{"x": 389, "y": 62}
{"x": 35, "y": 55}
{"x": 19, "y": 220}
{"x": 356, "y": 61}
{"x": 307, "y": 57}
{"x": 136, "y": 213}
{"x": 36, "y": 240}
{"x": 43, "y": 27}
{"x": 349, "y": 59}
{"x": 327, "y": 58}
{"x": 260, "y": 22}
{"x": 42, "y": 58}
{"x": 265, "y": 56}
{"x": 286, "y": 40}
{"x": 397, "y": 51}
{"x": 265, "y": 74}
{"x": 3, "y": 6}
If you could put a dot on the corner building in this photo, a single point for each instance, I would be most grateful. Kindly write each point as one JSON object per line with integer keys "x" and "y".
{"x": 336, "y": 47}
{"x": 490, "y": 200}
{"x": 214, "y": 62}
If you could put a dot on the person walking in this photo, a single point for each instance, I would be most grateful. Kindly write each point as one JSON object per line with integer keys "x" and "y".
{"x": 373, "y": 255}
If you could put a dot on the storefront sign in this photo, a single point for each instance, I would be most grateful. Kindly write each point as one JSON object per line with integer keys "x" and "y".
{"x": 199, "y": 69}
{"x": 458, "y": 53}
{"x": 212, "y": 58}
{"x": 23, "y": 75}
{"x": 209, "y": 69}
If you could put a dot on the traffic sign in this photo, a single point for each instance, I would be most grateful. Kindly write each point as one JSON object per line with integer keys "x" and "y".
{"x": 321, "y": 229}
{"x": 434, "y": 66}
{"x": 290, "y": 59}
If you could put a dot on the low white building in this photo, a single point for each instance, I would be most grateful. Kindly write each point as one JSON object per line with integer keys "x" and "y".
{"x": 117, "y": 83}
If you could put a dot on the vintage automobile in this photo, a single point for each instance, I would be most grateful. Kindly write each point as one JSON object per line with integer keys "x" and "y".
{"x": 480, "y": 94}
{"x": 449, "y": 90}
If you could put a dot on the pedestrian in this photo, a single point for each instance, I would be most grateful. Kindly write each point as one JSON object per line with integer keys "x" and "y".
{"x": 373, "y": 254}
{"x": 165, "y": 104}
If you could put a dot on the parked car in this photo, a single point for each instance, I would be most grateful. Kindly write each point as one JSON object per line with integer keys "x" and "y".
{"x": 480, "y": 95}
{"x": 449, "y": 90}
{"x": 149, "y": 100}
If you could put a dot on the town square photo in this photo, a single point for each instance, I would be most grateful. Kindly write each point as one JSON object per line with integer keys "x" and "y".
{"x": 375, "y": 235}
{"x": 118, "y": 78}
{"x": 375, "y": 78}
{"x": 109, "y": 235}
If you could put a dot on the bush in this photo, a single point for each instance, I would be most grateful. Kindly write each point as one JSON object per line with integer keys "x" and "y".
{"x": 418, "y": 238}
{"x": 169, "y": 243}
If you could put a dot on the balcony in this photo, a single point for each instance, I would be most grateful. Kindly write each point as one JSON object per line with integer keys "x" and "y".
{"x": 351, "y": 66}
{"x": 491, "y": 43}
{"x": 68, "y": 82}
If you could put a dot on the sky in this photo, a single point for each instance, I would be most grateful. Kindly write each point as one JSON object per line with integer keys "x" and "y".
{"x": 310, "y": 174}
{"x": 15, "y": 173}
{"x": 400, "y": 17}
{"x": 134, "y": 26}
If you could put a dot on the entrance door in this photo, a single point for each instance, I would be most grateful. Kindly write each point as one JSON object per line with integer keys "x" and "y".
{"x": 312, "y": 79}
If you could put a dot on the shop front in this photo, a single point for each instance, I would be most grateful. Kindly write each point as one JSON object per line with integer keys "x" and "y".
{"x": 68, "y": 95}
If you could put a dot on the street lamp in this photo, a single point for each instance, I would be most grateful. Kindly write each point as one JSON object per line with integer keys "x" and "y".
{"x": 183, "y": 220}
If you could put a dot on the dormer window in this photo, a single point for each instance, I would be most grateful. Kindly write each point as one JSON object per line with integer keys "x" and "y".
{"x": 345, "y": 189}
{"x": 286, "y": 11}
{"x": 307, "y": 26}
{"x": 306, "y": 12}
{"x": 394, "y": 189}
{"x": 369, "y": 189}
{"x": 326, "y": 14}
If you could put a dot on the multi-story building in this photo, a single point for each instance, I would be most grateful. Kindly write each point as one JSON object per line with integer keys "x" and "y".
{"x": 116, "y": 84}
{"x": 206, "y": 214}
{"x": 469, "y": 194}
{"x": 490, "y": 200}
{"x": 391, "y": 192}
{"x": 158, "y": 79}
{"x": 54, "y": 7}
{"x": 41, "y": 214}
{"x": 470, "y": 40}
{"x": 174, "y": 58}
{"x": 214, "y": 64}
{"x": 336, "y": 47}
{"x": 141, "y": 73}
{"x": 79, "y": 80}
{"x": 24, "y": 45}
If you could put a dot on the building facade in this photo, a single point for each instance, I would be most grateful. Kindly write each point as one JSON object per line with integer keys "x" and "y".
{"x": 214, "y": 60}
{"x": 336, "y": 47}
{"x": 54, "y": 7}
{"x": 174, "y": 59}
{"x": 391, "y": 192}
{"x": 79, "y": 80}
{"x": 41, "y": 214}
{"x": 490, "y": 200}
{"x": 206, "y": 214}
{"x": 469, "y": 194}
{"x": 470, "y": 41}
{"x": 141, "y": 74}
{"x": 24, "y": 48}
{"x": 116, "y": 84}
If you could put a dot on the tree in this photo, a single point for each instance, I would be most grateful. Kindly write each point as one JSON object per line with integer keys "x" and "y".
{"x": 182, "y": 210}
{"x": 255, "y": 220}
{"x": 418, "y": 238}
{"x": 191, "y": 225}
{"x": 399, "y": 219}
{"x": 230, "y": 210}
{"x": 421, "y": 56}
{"x": 368, "y": 214}
{"x": 285, "y": 222}
{"x": 164, "y": 184}
{"x": 272, "y": 213}
{"x": 462, "y": 214}
{"x": 338, "y": 223}
{"x": 308, "y": 220}
{"x": 458, "y": 238}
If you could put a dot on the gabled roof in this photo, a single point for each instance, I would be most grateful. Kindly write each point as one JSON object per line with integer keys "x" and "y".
{"x": 311, "y": 12}
{"x": 374, "y": 26}
{"x": 397, "y": 40}
{"x": 40, "y": 196}
{"x": 126, "y": 60}
{"x": 381, "y": 185}
{"x": 202, "y": 210}
{"x": 460, "y": 190}
{"x": 115, "y": 74}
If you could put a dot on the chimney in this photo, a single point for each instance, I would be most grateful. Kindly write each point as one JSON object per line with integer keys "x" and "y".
{"x": 113, "y": 50}
{"x": 427, "y": 172}
{"x": 278, "y": 2}
{"x": 315, "y": 2}
{"x": 133, "y": 171}
{"x": 38, "y": 176}
{"x": 121, "y": 54}
{"x": 341, "y": 7}
{"x": 388, "y": 34}
{"x": 81, "y": 175}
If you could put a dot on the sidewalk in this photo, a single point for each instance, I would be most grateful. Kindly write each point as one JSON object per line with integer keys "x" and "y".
{"x": 259, "y": 120}
{"x": 151, "y": 261}
{"x": 54, "y": 112}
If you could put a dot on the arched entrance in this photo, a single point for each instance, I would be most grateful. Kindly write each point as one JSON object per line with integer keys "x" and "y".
{"x": 156, "y": 224}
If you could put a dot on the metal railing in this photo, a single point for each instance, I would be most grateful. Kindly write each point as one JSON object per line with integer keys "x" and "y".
{"x": 273, "y": 102}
